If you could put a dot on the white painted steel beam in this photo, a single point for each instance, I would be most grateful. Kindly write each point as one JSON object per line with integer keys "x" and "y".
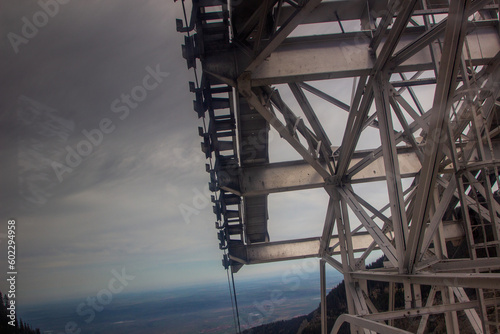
{"x": 276, "y": 251}
{"x": 299, "y": 175}
{"x": 466, "y": 280}
{"x": 367, "y": 324}
{"x": 346, "y": 55}
{"x": 292, "y": 22}
{"x": 445, "y": 87}
{"x": 392, "y": 169}
{"x": 426, "y": 310}
{"x": 291, "y": 249}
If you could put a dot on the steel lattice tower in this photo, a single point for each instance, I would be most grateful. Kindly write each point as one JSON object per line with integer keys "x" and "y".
{"x": 426, "y": 89}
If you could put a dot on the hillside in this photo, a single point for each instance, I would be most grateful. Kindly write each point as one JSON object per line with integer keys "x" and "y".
{"x": 337, "y": 305}
{"x": 20, "y": 327}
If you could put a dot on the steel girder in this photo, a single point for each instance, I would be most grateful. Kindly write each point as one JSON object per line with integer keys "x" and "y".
{"x": 426, "y": 94}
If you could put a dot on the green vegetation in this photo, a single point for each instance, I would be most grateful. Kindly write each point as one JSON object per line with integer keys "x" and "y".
{"x": 19, "y": 327}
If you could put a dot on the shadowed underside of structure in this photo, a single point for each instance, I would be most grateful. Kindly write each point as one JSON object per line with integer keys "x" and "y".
{"x": 425, "y": 79}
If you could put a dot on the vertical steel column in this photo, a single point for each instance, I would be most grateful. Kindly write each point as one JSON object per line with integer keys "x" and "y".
{"x": 344, "y": 250}
{"x": 454, "y": 37}
{"x": 322, "y": 283}
{"x": 391, "y": 163}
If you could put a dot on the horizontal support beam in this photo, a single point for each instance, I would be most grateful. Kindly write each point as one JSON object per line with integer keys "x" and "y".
{"x": 466, "y": 280}
{"x": 279, "y": 177}
{"x": 346, "y": 55}
{"x": 409, "y": 166}
{"x": 298, "y": 15}
{"x": 420, "y": 311}
{"x": 298, "y": 175}
{"x": 367, "y": 324}
{"x": 291, "y": 249}
{"x": 309, "y": 247}
{"x": 355, "y": 10}
{"x": 326, "y": 11}
{"x": 467, "y": 264}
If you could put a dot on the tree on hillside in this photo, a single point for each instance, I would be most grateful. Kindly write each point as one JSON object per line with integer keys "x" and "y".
{"x": 20, "y": 327}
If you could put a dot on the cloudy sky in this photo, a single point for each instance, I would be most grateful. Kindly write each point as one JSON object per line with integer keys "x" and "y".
{"x": 100, "y": 153}
{"x": 100, "y": 148}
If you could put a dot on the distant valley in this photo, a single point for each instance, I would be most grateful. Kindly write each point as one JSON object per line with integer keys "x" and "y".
{"x": 198, "y": 309}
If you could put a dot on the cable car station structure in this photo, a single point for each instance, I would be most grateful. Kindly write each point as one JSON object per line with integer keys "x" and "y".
{"x": 439, "y": 165}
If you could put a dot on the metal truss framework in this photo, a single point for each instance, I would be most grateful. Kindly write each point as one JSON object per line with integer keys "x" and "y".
{"x": 439, "y": 230}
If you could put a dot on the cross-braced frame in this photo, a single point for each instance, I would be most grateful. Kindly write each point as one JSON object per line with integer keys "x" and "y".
{"x": 425, "y": 78}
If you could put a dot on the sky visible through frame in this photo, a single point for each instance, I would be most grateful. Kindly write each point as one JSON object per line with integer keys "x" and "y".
{"x": 100, "y": 151}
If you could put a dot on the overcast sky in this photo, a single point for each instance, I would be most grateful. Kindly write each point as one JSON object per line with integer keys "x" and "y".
{"x": 68, "y": 79}
{"x": 100, "y": 151}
